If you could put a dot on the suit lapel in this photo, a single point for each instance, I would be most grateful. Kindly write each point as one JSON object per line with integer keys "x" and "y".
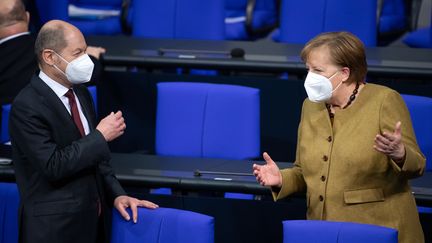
{"x": 55, "y": 105}
{"x": 50, "y": 99}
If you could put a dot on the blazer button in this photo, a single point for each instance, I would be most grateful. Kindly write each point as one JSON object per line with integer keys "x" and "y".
{"x": 321, "y": 198}
{"x": 325, "y": 158}
{"x": 323, "y": 178}
{"x": 329, "y": 139}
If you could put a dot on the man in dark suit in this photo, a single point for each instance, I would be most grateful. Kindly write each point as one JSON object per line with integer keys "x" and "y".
{"x": 61, "y": 156}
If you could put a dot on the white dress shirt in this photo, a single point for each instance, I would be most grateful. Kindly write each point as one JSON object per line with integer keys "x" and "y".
{"x": 60, "y": 91}
{"x": 13, "y": 36}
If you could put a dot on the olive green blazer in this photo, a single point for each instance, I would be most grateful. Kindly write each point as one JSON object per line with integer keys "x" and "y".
{"x": 344, "y": 177}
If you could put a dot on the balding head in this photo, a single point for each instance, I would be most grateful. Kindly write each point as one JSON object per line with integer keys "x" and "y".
{"x": 51, "y": 36}
{"x": 13, "y": 17}
{"x": 11, "y": 12}
{"x": 57, "y": 44}
{"x": 54, "y": 35}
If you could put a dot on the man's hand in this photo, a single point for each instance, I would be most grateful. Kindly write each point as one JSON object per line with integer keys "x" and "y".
{"x": 95, "y": 51}
{"x": 123, "y": 202}
{"x": 112, "y": 126}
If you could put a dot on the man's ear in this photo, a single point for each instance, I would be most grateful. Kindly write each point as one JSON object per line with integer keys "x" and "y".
{"x": 28, "y": 18}
{"x": 48, "y": 57}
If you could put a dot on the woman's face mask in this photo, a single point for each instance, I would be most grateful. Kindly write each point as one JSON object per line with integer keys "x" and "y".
{"x": 79, "y": 70}
{"x": 318, "y": 87}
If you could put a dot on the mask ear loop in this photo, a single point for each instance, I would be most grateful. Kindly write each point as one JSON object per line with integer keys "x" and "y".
{"x": 333, "y": 75}
{"x": 55, "y": 66}
{"x": 338, "y": 84}
{"x": 61, "y": 57}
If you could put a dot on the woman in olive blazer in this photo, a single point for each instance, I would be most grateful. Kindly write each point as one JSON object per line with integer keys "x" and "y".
{"x": 356, "y": 146}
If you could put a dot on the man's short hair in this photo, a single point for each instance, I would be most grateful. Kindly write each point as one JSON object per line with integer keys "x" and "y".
{"x": 17, "y": 14}
{"x": 50, "y": 38}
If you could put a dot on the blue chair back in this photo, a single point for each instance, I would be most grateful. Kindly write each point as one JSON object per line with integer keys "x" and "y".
{"x": 300, "y": 21}
{"x": 58, "y": 9}
{"x": 420, "y": 38}
{"x": 9, "y": 203}
{"x": 393, "y": 16}
{"x": 207, "y": 120}
{"x": 179, "y": 19}
{"x": 163, "y": 225}
{"x": 107, "y": 4}
{"x": 420, "y": 109}
{"x": 264, "y": 15}
{"x": 4, "y": 126}
{"x": 93, "y": 92}
{"x": 49, "y": 10}
{"x": 307, "y": 231}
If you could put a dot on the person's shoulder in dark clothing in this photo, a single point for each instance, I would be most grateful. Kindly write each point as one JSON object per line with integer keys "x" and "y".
{"x": 17, "y": 66}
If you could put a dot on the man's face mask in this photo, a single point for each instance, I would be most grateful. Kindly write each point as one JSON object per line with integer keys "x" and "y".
{"x": 79, "y": 70}
{"x": 318, "y": 87}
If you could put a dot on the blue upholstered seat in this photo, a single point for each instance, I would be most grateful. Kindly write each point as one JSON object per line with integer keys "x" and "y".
{"x": 9, "y": 201}
{"x": 421, "y": 38}
{"x": 420, "y": 109}
{"x": 207, "y": 120}
{"x": 300, "y": 21}
{"x": 392, "y": 17}
{"x": 249, "y": 19}
{"x": 308, "y": 231}
{"x": 93, "y": 92}
{"x": 4, "y": 127}
{"x": 163, "y": 225}
{"x": 179, "y": 19}
{"x": 88, "y": 24}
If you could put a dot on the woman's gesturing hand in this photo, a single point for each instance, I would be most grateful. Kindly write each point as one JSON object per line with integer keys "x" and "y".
{"x": 391, "y": 144}
{"x": 268, "y": 174}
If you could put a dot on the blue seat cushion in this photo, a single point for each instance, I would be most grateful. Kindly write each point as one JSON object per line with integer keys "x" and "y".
{"x": 420, "y": 109}
{"x": 4, "y": 132}
{"x": 163, "y": 225}
{"x": 207, "y": 120}
{"x": 9, "y": 201}
{"x": 420, "y": 38}
{"x": 105, "y": 26}
{"x": 304, "y": 231}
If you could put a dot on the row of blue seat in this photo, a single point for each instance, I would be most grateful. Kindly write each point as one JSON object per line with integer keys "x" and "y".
{"x": 223, "y": 121}
{"x": 234, "y": 19}
{"x": 167, "y": 225}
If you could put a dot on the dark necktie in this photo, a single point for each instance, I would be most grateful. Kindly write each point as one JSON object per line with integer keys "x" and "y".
{"x": 74, "y": 111}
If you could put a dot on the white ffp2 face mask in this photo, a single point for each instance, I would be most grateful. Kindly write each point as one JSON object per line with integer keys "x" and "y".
{"x": 79, "y": 70}
{"x": 318, "y": 87}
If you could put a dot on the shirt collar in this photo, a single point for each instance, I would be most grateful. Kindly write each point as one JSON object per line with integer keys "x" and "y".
{"x": 59, "y": 89}
{"x": 13, "y": 36}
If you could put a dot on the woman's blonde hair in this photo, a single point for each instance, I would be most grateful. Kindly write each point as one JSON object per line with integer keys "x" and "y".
{"x": 346, "y": 50}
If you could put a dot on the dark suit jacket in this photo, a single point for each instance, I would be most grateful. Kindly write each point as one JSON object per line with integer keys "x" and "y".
{"x": 60, "y": 175}
{"x": 17, "y": 66}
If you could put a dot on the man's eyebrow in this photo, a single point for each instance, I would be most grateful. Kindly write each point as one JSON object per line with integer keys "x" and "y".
{"x": 79, "y": 49}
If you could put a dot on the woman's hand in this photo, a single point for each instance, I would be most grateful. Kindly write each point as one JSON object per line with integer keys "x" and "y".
{"x": 268, "y": 174}
{"x": 391, "y": 144}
